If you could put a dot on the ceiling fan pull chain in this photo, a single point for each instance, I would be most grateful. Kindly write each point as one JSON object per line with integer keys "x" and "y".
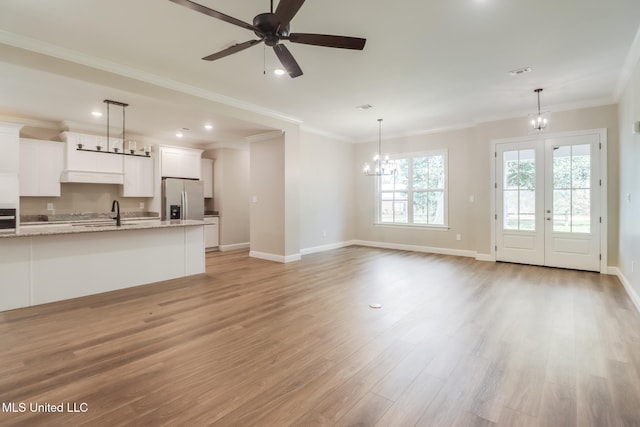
{"x": 264, "y": 59}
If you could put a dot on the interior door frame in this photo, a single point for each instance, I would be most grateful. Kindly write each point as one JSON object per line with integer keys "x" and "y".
{"x": 602, "y": 133}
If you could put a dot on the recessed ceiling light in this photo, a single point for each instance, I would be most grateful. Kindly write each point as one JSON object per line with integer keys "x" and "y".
{"x": 279, "y": 72}
{"x": 179, "y": 134}
{"x": 364, "y": 107}
{"x": 96, "y": 114}
{"x": 519, "y": 71}
{"x": 208, "y": 127}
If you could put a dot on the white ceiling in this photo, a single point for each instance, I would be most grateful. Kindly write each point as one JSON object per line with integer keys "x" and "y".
{"x": 427, "y": 64}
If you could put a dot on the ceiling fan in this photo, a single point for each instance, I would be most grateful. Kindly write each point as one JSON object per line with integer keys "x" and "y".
{"x": 272, "y": 28}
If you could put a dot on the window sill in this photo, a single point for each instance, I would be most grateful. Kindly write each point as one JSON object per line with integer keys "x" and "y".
{"x": 413, "y": 226}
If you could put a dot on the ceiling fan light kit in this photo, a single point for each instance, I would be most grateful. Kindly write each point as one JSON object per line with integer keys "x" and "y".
{"x": 272, "y": 28}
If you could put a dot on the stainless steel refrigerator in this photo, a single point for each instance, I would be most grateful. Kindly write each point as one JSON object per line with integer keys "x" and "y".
{"x": 182, "y": 199}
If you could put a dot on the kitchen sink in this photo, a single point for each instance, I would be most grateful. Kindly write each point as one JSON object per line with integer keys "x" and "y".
{"x": 104, "y": 224}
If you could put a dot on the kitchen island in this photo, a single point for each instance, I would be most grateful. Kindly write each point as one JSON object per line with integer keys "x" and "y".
{"x": 52, "y": 263}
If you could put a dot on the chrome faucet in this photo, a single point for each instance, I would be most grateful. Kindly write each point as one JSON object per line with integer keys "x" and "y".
{"x": 116, "y": 205}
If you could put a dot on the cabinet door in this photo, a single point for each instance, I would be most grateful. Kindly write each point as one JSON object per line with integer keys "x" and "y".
{"x": 171, "y": 162}
{"x": 138, "y": 177}
{"x": 207, "y": 177}
{"x": 211, "y": 239}
{"x": 41, "y": 163}
{"x": 9, "y": 148}
{"x": 28, "y": 174}
{"x": 180, "y": 163}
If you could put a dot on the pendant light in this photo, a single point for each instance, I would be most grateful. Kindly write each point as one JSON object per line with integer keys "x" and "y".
{"x": 538, "y": 122}
{"x": 379, "y": 166}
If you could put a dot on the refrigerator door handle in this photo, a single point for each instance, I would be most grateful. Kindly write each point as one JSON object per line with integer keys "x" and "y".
{"x": 183, "y": 211}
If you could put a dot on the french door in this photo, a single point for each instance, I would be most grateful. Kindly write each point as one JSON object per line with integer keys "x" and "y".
{"x": 548, "y": 202}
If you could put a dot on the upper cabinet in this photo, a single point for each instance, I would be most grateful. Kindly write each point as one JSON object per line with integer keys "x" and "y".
{"x": 178, "y": 162}
{"x": 9, "y": 162}
{"x": 207, "y": 177}
{"x": 41, "y": 164}
{"x": 91, "y": 167}
{"x": 138, "y": 177}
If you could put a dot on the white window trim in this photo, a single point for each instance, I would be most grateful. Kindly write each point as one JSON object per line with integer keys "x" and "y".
{"x": 436, "y": 227}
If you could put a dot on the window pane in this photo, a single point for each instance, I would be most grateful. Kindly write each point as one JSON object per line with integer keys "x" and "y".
{"x": 562, "y": 210}
{"x": 435, "y": 206}
{"x": 420, "y": 210}
{"x": 581, "y": 211}
{"x": 402, "y": 174}
{"x": 420, "y": 172}
{"x": 436, "y": 172}
{"x": 510, "y": 213}
{"x": 400, "y": 211}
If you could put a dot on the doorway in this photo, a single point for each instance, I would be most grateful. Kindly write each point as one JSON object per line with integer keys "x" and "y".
{"x": 548, "y": 194}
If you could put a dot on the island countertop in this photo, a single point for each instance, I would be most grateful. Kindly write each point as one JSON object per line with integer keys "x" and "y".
{"x": 92, "y": 227}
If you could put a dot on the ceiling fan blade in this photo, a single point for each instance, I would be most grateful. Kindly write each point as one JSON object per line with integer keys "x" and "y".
{"x": 286, "y": 10}
{"x": 214, "y": 13}
{"x": 230, "y": 50}
{"x": 341, "y": 42}
{"x": 287, "y": 60}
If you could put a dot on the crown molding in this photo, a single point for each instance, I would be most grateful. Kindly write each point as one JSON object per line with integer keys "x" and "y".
{"x": 264, "y": 136}
{"x": 326, "y": 134}
{"x": 29, "y": 122}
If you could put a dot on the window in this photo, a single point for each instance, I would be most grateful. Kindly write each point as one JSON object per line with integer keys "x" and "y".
{"x": 416, "y": 194}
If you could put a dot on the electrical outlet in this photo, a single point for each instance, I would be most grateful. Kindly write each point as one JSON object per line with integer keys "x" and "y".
{"x": 324, "y": 234}
{"x": 141, "y": 206}
{"x": 472, "y": 199}
{"x": 458, "y": 236}
{"x": 49, "y": 206}
{"x": 254, "y": 199}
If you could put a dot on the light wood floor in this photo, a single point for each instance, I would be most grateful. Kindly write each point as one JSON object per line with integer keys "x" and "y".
{"x": 457, "y": 343}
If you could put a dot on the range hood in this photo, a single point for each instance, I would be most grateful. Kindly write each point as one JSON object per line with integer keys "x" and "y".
{"x": 89, "y": 177}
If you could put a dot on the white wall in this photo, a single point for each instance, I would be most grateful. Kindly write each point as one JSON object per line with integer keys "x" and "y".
{"x": 469, "y": 157}
{"x": 267, "y": 212}
{"x": 629, "y": 173}
{"x": 231, "y": 195}
{"x": 327, "y": 192}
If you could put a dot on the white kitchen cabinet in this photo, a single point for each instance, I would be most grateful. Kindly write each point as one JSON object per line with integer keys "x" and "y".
{"x": 41, "y": 164}
{"x": 9, "y": 147}
{"x": 9, "y": 164}
{"x": 211, "y": 233}
{"x": 178, "y": 162}
{"x": 138, "y": 177}
{"x": 91, "y": 167}
{"x": 207, "y": 177}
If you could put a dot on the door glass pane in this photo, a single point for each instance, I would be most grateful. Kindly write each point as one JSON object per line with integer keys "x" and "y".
{"x": 519, "y": 190}
{"x": 572, "y": 189}
{"x": 510, "y": 213}
{"x": 527, "y": 206}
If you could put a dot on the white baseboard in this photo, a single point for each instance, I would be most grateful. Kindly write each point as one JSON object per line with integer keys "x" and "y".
{"x": 273, "y": 257}
{"x": 234, "y": 246}
{"x": 635, "y": 298}
{"x": 415, "y": 248}
{"x": 485, "y": 257}
{"x": 328, "y": 247}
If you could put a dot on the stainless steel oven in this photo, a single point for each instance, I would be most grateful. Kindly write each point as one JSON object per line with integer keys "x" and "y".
{"x": 7, "y": 219}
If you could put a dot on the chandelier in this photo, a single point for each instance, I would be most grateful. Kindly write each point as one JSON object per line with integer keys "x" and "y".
{"x": 538, "y": 122}
{"x": 379, "y": 165}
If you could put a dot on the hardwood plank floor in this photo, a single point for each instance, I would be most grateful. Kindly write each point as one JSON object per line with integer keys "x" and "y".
{"x": 457, "y": 342}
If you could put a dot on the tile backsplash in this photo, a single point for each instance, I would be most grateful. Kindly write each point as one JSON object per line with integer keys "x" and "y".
{"x": 82, "y": 198}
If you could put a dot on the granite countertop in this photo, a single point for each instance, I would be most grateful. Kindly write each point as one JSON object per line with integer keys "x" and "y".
{"x": 84, "y": 217}
{"x": 72, "y": 228}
